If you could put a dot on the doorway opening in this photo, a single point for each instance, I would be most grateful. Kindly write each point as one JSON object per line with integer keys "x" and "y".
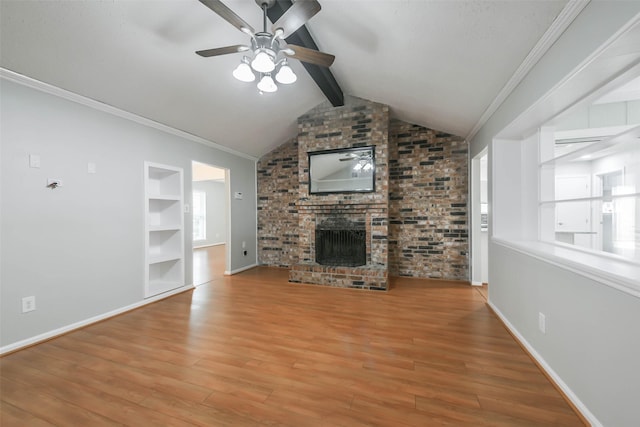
{"x": 480, "y": 221}
{"x": 209, "y": 208}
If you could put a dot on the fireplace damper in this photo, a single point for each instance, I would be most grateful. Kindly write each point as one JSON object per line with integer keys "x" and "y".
{"x": 341, "y": 242}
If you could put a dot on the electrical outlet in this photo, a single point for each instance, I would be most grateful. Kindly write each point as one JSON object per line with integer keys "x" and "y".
{"x": 244, "y": 245}
{"x": 28, "y": 304}
{"x": 542, "y": 323}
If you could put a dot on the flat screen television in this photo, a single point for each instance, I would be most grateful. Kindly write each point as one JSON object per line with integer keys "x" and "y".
{"x": 345, "y": 170}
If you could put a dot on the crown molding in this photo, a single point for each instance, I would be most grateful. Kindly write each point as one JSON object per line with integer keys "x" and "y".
{"x": 97, "y": 105}
{"x": 558, "y": 26}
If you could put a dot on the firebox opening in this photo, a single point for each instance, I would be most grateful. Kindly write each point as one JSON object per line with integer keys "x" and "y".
{"x": 341, "y": 242}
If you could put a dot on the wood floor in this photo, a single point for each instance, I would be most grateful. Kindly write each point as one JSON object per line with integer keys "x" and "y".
{"x": 208, "y": 264}
{"x": 252, "y": 349}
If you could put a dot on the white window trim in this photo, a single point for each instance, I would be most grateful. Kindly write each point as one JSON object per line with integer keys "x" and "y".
{"x": 204, "y": 215}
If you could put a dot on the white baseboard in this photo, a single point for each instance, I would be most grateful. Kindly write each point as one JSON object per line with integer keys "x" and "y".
{"x": 474, "y": 283}
{"x": 209, "y": 244}
{"x": 63, "y": 330}
{"x": 550, "y": 372}
{"x": 239, "y": 270}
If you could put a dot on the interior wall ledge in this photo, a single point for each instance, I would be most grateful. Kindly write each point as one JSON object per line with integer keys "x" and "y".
{"x": 619, "y": 274}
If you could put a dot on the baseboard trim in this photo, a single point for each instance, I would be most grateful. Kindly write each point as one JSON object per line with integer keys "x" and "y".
{"x": 209, "y": 245}
{"x": 576, "y": 404}
{"x": 11, "y": 348}
{"x": 239, "y": 270}
{"x": 474, "y": 283}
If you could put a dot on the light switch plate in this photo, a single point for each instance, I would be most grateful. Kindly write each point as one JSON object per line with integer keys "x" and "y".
{"x": 34, "y": 161}
{"x": 28, "y": 304}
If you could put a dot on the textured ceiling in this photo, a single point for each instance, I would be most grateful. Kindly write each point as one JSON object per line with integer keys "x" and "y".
{"x": 435, "y": 63}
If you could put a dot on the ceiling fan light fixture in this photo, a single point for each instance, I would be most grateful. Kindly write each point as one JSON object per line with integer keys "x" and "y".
{"x": 267, "y": 84}
{"x": 263, "y": 61}
{"x": 243, "y": 71}
{"x": 285, "y": 74}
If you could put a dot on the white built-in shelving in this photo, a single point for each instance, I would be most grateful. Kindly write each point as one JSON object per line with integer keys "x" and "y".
{"x": 164, "y": 228}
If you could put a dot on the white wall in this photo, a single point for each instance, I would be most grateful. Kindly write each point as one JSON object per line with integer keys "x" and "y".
{"x": 79, "y": 248}
{"x": 592, "y": 329}
{"x": 216, "y": 212}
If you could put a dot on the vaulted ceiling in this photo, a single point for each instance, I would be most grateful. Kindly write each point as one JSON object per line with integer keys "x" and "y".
{"x": 439, "y": 64}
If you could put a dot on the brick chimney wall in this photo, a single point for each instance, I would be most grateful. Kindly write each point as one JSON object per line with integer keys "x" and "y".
{"x": 418, "y": 212}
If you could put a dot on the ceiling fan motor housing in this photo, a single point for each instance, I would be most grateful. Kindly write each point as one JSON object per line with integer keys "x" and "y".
{"x": 264, "y": 44}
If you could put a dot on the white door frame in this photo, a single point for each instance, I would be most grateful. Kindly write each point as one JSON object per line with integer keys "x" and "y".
{"x": 227, "y": 199}
{"x": 478, "y": 253}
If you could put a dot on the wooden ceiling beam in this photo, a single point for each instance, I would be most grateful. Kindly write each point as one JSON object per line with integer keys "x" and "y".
{"x": 321, "y": 75}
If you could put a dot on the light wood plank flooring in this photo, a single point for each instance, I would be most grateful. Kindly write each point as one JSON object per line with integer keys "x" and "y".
{"x": 252, "y": 349}
{"x": 208, "y": 264}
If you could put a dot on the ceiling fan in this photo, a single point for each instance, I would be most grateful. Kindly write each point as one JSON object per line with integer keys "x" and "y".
{"x": 360, "y": 155}
{"x": 362, "y": 159}
{"x": 268, "y": 48}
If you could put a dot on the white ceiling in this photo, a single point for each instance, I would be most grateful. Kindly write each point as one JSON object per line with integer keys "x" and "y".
{"x": 439, "y": 64}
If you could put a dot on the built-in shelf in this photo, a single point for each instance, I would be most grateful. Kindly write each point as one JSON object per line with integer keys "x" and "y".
{"x": 165, "y": 197}
{"x": 164, "y": 229}
{"x": 164, "y": 257}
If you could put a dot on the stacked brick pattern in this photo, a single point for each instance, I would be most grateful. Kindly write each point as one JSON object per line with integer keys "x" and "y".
{"x": 428, "y": 225}
{"x": 277, "y": 211}
{"x": 357, "y": 124}
{"x": 417, "y": 222}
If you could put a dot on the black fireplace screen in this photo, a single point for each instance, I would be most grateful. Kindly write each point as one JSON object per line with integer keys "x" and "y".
{"x": 341, "y": 242}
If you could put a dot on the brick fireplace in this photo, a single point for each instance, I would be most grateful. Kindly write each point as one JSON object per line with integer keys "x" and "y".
{"x": 359, "y": 123}
{"x": 416, "y": 221}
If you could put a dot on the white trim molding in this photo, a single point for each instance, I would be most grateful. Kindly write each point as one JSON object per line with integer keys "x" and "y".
{"x": 239, "y": 270}
{"x": 550, "y": 372}
{"x": 86, "y": 322}
{"x": 558, "y": 26}
{"x": 92, "y": 103}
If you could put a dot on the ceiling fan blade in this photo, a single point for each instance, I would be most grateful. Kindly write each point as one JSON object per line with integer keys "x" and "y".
{"x": 311, "y": 56}
{"x": 228, "y": 15}
{"x": 223, "y": 50}
{"x": 295, "y": 17}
